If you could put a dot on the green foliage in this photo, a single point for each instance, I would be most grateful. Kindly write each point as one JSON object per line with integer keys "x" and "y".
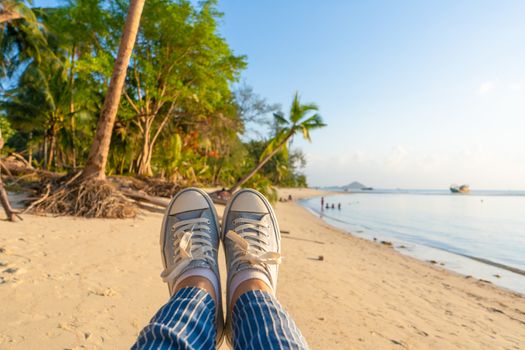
{"x": 302, "y": 118}
{"x": 6, "y": 132}
{"x": 264, "y": 185}
{"x": 180, "y": 76}
{"x": 180, "y": 119}
{"x": 283, "y": 169}
{"x": 22, "y": 39}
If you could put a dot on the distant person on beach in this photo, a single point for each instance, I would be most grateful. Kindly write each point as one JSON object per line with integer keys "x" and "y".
{"x": 327, "y": 206}
{"x": 322, "y": 203}
{"x": 333, "y": 206}
{"x": 339, "y": 206}
{"x": 193, "y": 316}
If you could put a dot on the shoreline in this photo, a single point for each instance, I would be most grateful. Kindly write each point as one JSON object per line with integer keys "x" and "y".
{"x": 404, "y": 295}
{"x": 493, "y": 263}
{"x": 402, "y": 245}
{"x": 478, "y": 259}
{"x": 98, "y": 284}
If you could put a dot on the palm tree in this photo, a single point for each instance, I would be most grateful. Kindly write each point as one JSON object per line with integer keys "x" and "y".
{"x": 40, "y": 103}
{"x": 98, "y": 156}
{"x": 303, "y": 118}
{"x": 21, "y": 36}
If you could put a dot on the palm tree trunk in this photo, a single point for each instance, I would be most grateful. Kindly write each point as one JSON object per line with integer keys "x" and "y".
{"x": 72, "y": 108}
{"x": 30, "y": 149}
{"x": 52, "y": 147}
{"x": 259, "y": 165}
{"x": 45, "y": 151}
{"x": 98, "y": 156}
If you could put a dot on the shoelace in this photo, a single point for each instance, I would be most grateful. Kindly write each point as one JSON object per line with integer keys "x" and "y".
{"x": 252, "y": 248}
{"x": 191, "y": 246}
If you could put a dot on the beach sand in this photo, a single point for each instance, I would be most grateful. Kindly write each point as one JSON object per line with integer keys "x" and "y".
{"x": 79, "y": 283}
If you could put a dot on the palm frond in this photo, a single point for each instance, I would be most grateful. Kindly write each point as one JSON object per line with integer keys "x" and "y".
{"x": 280, "y": 119}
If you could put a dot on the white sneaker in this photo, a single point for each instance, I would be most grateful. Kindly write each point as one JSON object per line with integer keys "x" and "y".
{"x": 252, "y": 242}
{"x": 189, "y": 239}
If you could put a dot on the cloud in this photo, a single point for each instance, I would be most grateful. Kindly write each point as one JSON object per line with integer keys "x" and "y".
{"x": 486, "y": 87}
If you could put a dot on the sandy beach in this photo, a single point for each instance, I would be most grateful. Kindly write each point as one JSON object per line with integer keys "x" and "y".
{"x": 69, "y": 283}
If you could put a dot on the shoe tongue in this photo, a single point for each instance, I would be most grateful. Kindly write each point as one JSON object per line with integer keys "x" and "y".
{"x": 187, "y": 215}
{"x": 251, "y": 216}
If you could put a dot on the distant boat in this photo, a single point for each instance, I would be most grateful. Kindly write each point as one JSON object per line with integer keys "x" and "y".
{"x": 460, "y": 189}
{"x": 367, "y": 189}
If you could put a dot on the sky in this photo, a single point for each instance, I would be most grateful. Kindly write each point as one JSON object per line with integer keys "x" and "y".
{"x": 416, "y": 94}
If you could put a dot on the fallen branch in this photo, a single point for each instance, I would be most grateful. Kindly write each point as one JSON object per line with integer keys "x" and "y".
{"x": 22, "y": 159}
{"x": 141, "y": 196}
{"x": 146, "y": 198}
{"x": 4, "y": 201}
{"x": 22, "y": 177}
{"x": 220, "y": 197}
{"x": 4, "y": 168}
{"x": 37, "y": 202}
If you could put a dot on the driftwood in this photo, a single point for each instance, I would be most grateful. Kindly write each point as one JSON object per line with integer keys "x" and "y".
{"x": 139, "y": 196}
{"x": 4, "y": 200}
{"x": 220, "y": 196}
{"x": 40, "y": 200}
{"x": 9, "y": 211}
{"x": 22, "y": 159}
{"x": 14, "y": 165}
{"x": 5, "y": 169}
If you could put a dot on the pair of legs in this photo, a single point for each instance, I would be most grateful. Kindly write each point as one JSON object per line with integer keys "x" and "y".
{"x": 193, "y": 317}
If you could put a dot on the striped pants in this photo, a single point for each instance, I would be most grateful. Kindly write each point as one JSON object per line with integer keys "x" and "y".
{"x": 187, "y": 321}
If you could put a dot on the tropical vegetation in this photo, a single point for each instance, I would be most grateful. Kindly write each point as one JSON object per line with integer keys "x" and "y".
{"x": 183, "y": 116}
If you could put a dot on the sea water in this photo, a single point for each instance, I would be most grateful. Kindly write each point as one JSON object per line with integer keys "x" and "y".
{"x": 452, "y": 230}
